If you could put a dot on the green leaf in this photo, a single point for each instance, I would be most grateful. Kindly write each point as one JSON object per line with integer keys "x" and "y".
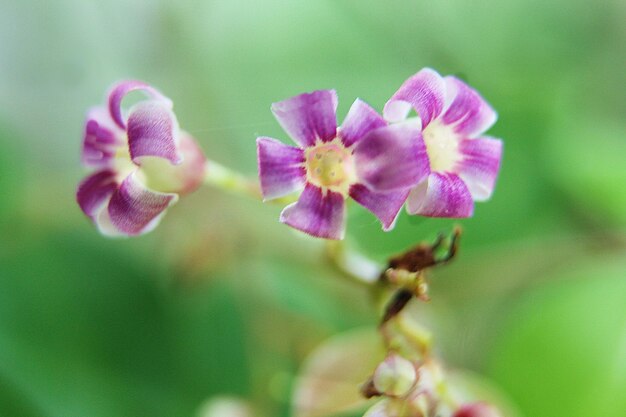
{"x": 563, "y": 351}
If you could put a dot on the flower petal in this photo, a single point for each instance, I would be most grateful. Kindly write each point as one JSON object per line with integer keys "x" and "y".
{"x": 385, "y": 206}
{"x": 309, "y": 116}
{"x": 480, "y": 165}
{"x": 101, "y": 140}
{"x": 153, "y": 131}
{"x": 441, "y": 195}
{"x": 468, "y": 111}
{"x": 135, "y": 209}
{"x": 317, "y": 214}
{"x": 281, "y": 169}
{"x": 424, "y": 91}
{"x": 361, "y": 119}
{"x": 95, "y": 190}
{"x": 119, "y": 91}
{"x": 392, "y": 157}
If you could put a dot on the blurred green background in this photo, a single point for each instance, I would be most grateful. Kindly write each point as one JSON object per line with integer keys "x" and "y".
{"x": 221, "y": 298}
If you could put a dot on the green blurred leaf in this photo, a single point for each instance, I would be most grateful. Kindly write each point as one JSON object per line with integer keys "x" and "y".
{"x": 586, "y": 159}
{"x": 563, "y": 351}
{"x": 84, "y": 330}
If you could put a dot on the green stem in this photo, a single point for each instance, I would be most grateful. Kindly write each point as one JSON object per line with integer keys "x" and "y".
{"x": 351, "y": 263}
{"x": 222, "y": 177}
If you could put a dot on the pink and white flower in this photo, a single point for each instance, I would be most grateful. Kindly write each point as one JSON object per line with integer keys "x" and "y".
{"x": 142, "y": 162}
{"x": 464, "y": 163}
{"x": 365, "y": 159}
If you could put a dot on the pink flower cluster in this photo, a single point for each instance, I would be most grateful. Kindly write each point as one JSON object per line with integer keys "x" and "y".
{"x": 438, "y": 162}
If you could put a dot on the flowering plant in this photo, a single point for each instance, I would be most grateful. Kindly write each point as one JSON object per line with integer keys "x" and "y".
{"x": 438, "y": 162}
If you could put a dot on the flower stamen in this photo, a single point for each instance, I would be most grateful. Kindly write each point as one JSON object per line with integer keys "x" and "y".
{"x": 329, "y": 166}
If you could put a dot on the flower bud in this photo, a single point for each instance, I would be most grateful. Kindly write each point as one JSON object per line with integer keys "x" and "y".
{"x": 479, "y": 409}
{"x": 395, "y": 376}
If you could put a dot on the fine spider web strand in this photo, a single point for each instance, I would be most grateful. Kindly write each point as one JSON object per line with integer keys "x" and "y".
{"x": 231, "y": 127}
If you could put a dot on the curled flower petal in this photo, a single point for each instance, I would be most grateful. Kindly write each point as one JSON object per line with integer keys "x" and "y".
{"x": 470, "y": 114}
{"x": 120, "y": 90}
{"x": 281, "y": 169}
{"x": 424, "y": 91}
{"x": 153, "y": 131}
{"x": 101, "y": 140}
{"x": 479, "y": 165}
{"x": 441, "y": 195}
{"x": 135, "y": 209}
{"x": 385, "y": 206}
{"x": 309, "y": 116}
{"x": 392, "y": 157}
{"x": 317, "y": 213}
{"x": 361, "y": 119}
{"x": 95, "y": 190}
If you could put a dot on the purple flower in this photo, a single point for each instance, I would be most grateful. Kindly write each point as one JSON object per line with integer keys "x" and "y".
{"x": 464, "y": 163}
{"x": 142, "y": 162}
{"x": 365, "y": 159}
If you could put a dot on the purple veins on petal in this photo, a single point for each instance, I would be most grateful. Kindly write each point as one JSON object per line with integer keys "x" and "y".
{"x": 95, "y": 190}
{"x": 479, "y": 165}
{"x": 441, "y": 195}
{"x": 101, "y": 139}
{"x": 153, "y": 131}
{"x": 392, "y": 157}
{"x": 361, "y": 119}
{"x": 308, "y": 117}
{"x": 468, "y": 112}
{"x": 317, "y": 213}
{"x": 281, "y": 170}
{"x": 135, "y": 209}
{"x": 424, "y": 91}
{"x": 385, "y": 205}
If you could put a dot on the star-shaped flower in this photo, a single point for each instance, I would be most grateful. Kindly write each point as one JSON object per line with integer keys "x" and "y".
{"x": 464, "y": 163}
{"x": 365, "y": 159}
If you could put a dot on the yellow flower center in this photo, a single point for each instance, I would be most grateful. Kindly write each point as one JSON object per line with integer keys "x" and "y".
{"x": 442, "y": 145}
{"x": 330, "y": 166}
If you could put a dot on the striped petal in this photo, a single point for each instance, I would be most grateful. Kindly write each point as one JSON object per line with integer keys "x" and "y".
{"x": 184, "y": 178}
{"x": 281, "y": 169}
{"x": 361, "y": 119}
{"x": 95, "y": 190}
{"x": 121, "y": 89}
{"x": 135, "y": 209}
{"x": 441, "y": 195}
{"x": 308, "y": 117}
{"x": 479, "y": 165}
{"x": 392, "y": 157}
{"x": 153, "y": 131}
{"x": 385, "y": 206}
{"x": 317, "y": 213}
{"x": 470, "y": 114}
{"x": 425, "y": 92}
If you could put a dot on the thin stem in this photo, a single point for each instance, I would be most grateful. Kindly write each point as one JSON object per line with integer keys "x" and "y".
{"x": 227, "y": 179}
{"x": 352, "y": 263}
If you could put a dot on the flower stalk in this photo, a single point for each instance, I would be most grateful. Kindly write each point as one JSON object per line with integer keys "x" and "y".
{"x": 231, "y": 181}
